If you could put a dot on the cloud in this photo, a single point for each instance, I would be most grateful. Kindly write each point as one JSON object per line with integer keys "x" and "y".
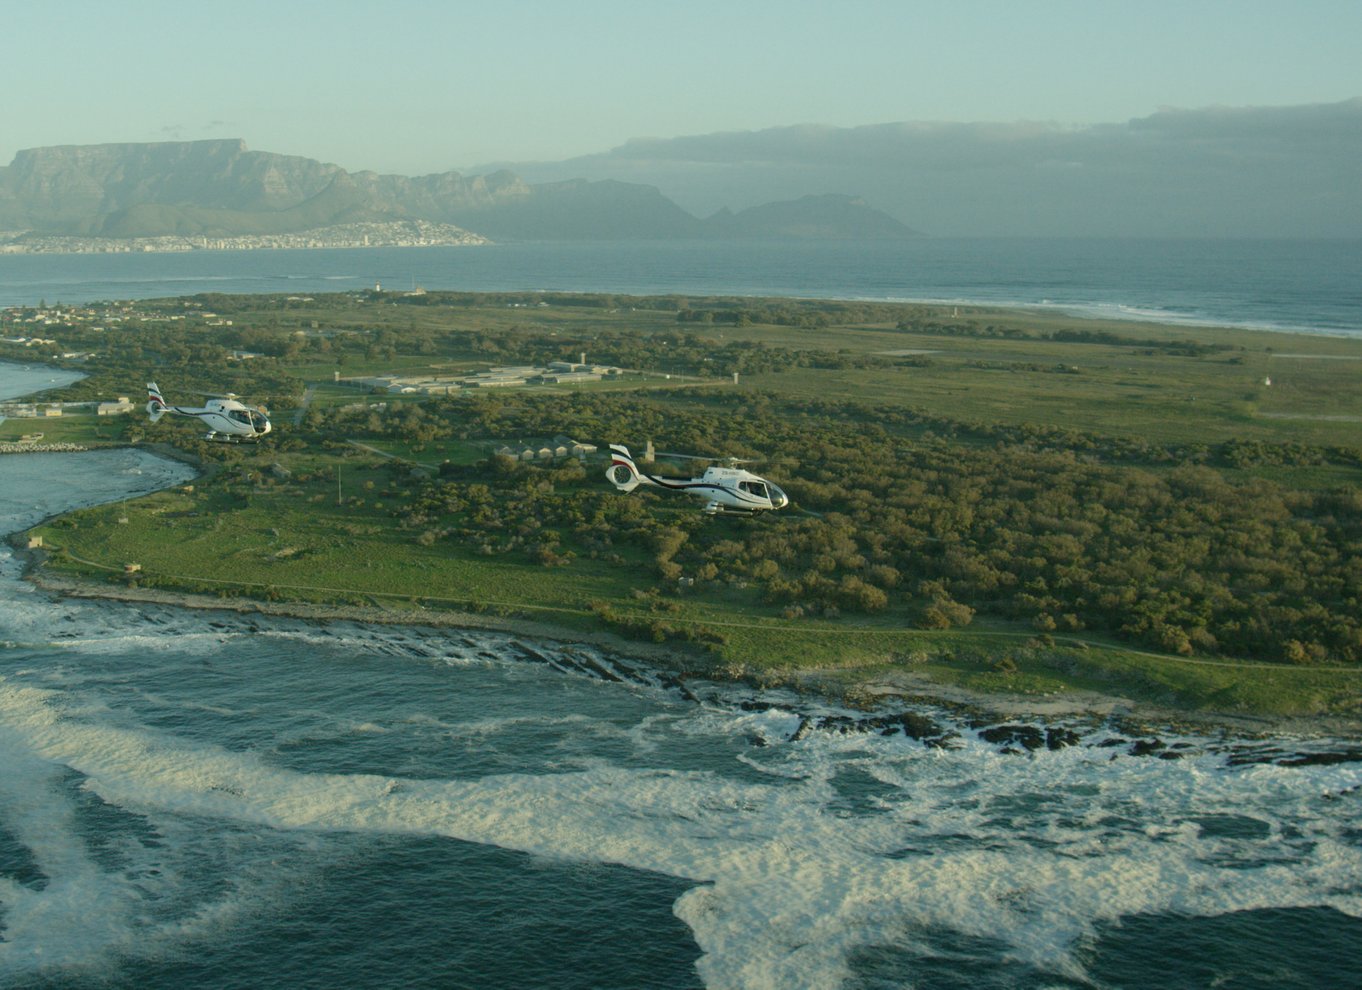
{"x": 1307, "y": 130}
{"x": 1314, "y": 124}
{"x": 926, "y": 144}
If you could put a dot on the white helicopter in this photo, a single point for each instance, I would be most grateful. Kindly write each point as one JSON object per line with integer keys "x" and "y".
{"x": 722, "y": 488}
{"x": 227, "y": 419}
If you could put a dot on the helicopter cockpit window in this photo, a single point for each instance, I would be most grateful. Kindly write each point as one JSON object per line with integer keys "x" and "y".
{"x": 753, "y": 488}
{"x": 247, "y": 417}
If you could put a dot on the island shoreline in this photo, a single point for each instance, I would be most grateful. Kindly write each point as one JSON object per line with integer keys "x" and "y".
{"x": 836, "y": 686}
{"x": 850, "y": 686}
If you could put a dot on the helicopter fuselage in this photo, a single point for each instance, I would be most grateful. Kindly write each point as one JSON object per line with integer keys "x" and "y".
{"x": 226, "y": 419}
{"x": 721, "y": 488}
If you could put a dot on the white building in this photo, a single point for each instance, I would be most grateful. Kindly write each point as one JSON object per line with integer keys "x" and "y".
{"x": 119, "y": 407}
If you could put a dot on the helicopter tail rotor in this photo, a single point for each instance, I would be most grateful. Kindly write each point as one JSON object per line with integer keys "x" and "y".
{"x": 622, "y": 473}
{"x": 156, "y": 406}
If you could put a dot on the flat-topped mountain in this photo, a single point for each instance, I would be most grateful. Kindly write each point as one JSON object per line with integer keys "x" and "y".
{"x": 221, "y": 188}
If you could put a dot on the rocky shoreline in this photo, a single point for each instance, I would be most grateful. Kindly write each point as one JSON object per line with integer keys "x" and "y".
{"x": 677, "y": 659}
{"x": 884, "y": 696}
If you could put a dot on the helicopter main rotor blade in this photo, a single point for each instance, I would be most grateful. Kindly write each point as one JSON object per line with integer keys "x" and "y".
{"x": 685, "y": 457}
{"x": 706, "y": 457}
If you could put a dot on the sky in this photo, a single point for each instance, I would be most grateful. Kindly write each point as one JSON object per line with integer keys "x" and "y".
{"x": 413, "y": 87}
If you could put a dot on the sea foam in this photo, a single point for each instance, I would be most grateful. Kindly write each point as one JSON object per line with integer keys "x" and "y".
{"x": 1029, "y": 851}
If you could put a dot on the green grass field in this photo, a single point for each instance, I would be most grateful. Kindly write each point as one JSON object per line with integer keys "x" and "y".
{"x": 78, "y": 428}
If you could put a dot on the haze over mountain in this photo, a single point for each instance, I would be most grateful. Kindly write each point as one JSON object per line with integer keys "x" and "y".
{"x": 1213, "y": 172}
{"x": 219, "y": 188}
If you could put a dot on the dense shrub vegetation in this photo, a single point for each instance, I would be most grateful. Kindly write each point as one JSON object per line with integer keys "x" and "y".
{"x": 1063, "y": 531}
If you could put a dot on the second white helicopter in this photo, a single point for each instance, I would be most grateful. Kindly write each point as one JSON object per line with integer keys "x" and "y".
{"x": 723, "y": 489}
{"x": 227, "y": 419}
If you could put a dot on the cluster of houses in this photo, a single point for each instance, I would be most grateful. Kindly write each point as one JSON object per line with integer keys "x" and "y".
{"x": 559, "y": 448}
{"x": 98, "y": 317}
{"x": 556, "y": 373}
{"x": 29, "y": 341}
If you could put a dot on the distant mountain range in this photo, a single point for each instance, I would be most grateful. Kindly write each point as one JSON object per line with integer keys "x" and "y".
{"x": 220, "y": 189}
{"x": 1274, "y": 171}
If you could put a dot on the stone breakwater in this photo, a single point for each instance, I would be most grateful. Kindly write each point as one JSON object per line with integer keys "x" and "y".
{"x": 41, "y": 448}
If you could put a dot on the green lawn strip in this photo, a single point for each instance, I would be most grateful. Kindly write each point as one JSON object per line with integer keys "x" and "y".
{"x": 277, "y": 548}
{"x": 79, "y": 428}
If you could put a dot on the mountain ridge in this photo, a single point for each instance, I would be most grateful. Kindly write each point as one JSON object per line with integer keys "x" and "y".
{"x": 220, "y": 188}
{"x": 1218, "y": 171}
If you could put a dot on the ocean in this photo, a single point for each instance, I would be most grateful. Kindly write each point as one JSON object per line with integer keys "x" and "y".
{"x": 1294, "y": 285}
{"x": 224, "y": 799}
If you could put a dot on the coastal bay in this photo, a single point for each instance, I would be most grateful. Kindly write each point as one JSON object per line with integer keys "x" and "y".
{"x": 1303, "y": 286}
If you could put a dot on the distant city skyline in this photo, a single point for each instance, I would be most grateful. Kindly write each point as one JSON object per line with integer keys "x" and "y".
{"x": 419, "y": 87}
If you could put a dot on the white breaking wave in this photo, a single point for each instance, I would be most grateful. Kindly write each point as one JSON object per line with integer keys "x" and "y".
{"x": 1029, "y": 851}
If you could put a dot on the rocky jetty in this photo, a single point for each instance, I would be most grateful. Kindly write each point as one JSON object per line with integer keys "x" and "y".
{"x": 41, "y": 448}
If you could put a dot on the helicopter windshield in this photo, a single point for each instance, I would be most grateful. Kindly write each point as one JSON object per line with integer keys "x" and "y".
{"x": 765, "y": 490}
{"x": 246, "y": 417}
